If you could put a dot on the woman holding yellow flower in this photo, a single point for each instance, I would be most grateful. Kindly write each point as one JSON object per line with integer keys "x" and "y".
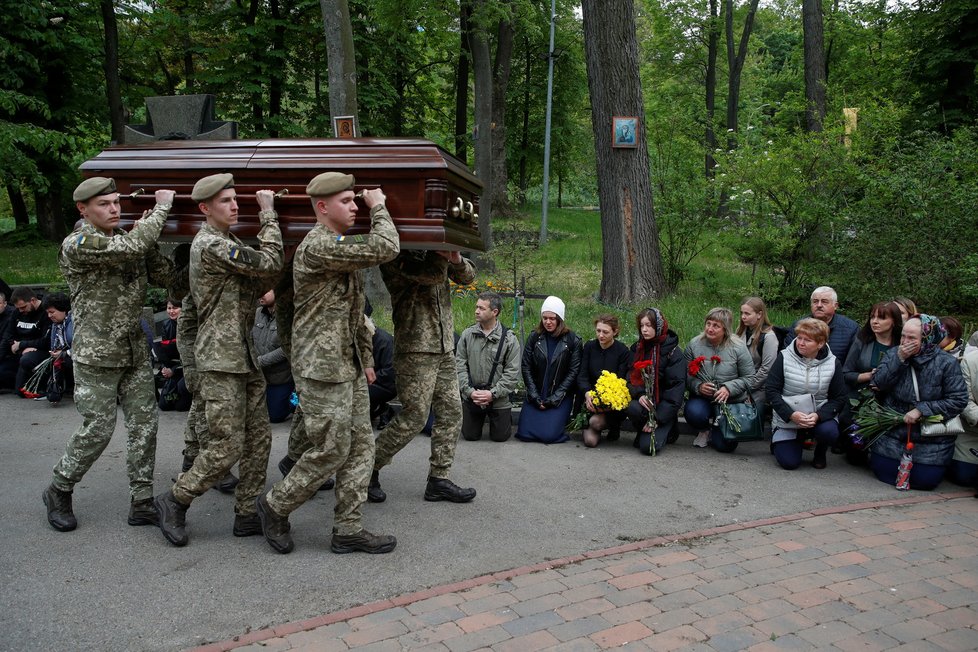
{"x": 656, "y": 382}
{"x": 551, "y": 361}
{"x": 602, "y": 354}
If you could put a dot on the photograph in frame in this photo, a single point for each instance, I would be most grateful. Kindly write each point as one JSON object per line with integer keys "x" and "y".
{"x": 624, "y": 131}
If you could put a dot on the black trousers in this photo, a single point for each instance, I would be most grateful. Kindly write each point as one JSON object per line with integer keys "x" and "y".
{"x": 500, "y": 422}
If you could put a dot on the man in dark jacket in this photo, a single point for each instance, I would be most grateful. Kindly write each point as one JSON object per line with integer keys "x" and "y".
{"x": 25, "y": 332}
{"x": 842, "y": 330}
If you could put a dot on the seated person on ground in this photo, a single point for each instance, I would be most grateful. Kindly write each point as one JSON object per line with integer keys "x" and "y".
{"x": 171, "y": 386}
{"x": 279, "y": 384}
{"x": 603, "y": 353}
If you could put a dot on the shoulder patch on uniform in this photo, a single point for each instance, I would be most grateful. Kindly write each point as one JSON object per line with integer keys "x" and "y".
{"x": 239, "y": 255}
{"x": 91, "y": 241}
{"x": 350, "y": 239}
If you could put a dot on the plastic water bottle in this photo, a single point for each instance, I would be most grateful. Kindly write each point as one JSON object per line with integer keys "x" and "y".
{"x": 903, "y": 473}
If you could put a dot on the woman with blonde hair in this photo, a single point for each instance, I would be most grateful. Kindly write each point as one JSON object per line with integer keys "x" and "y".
{"x": 720, "y": 371}
{"x": 756, "y": 330}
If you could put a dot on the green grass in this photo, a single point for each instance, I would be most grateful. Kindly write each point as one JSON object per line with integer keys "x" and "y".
{"x": 569, "y": 266}
{"x": 26, "y": 258}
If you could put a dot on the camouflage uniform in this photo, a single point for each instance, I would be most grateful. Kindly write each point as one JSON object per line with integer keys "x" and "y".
{"x": 226, "y": 279}
{"x": 107, "y": 277}
{"x": 424, "y": 358}
{"x": 330, "y": 348}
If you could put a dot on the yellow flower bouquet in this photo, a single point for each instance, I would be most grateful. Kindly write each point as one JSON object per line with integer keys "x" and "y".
{"x": 609, "y": 393}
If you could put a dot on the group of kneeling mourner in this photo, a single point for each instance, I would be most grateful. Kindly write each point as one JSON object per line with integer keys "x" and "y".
{"x": 899, "y": 394}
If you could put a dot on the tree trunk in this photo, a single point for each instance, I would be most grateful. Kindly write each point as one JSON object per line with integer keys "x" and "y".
{"x": 18, "y": 206}
{"x": 462, "y": 88}
{"x": 49, "y": 207}
{"x": 340, "y": 57}
{"x": 713, "y": 31}
{"x": 110, "y": 65}
{"x": 735, "y": 66}
{"x": 502, "y": 67}
{"x": 277, "y": 78}
{"x": 632, "y": 264}
{"x": 525, "y": 133}
{"x": 814, "y": 64}
{"x": 482, "y": 72}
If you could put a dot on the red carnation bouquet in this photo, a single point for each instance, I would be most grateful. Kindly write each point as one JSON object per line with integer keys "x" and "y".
{"x": 647, "y": 369}
{"x": 696, "y": 366}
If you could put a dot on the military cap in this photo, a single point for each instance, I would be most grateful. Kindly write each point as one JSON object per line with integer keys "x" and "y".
{"x": 329, "y": 183}
{"x": 210, "y": 186}
{"x": 93, "y": 188}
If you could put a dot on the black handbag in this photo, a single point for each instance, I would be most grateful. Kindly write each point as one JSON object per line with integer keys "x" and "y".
{"x": 747, "y": 418}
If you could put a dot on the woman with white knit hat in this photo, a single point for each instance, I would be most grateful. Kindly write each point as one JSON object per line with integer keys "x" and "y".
{"x": 551, "y": 360}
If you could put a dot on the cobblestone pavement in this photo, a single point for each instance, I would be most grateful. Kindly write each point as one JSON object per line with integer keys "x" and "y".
{"x": 891, "y": 575}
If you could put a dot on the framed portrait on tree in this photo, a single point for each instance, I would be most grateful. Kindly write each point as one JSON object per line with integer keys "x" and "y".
{"x": 624, "y": 131}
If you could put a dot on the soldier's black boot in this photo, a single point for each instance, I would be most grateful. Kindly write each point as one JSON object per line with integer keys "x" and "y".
{"x": 246, "y": 525}
{"x": 285, "y": 467}
{"x": 172, "y": 515}
{"x": 58, "y": 503}
{"x": 362, "y": 541}
{"x": 445, "y": 489}
{"x": 227, "y": 484}
{"x": 142, "y": 512}
{"x": 374, "y": 493}
{"x": 275, "y": 528}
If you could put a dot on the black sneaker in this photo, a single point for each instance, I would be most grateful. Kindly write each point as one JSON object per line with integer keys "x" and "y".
{"x": 58, "y": 503}
{"x": 142, "y": 512}
{"x": 445, "y": 489}
{"x": 374, "y": 493}
{"x": 172, "y": 515}
{"x": 362, "y": 541}
{"x": 246, "y": 525}
{"x": 275, "y": 528}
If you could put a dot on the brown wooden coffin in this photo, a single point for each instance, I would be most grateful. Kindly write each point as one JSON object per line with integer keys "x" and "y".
{"x": 432, "y": 196}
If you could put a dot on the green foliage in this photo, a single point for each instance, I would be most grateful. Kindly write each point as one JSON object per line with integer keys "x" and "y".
{"x": 912, "y": 229}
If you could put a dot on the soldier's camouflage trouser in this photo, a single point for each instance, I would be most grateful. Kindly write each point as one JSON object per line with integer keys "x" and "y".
{"x": 237, "y": 431}
{"x": 96, "y": 390}
{"x": 195, "y": 432}
{"x": 337, "y": 423}
{"x": 425, "y": 381}
{"x": 298, "y": 441}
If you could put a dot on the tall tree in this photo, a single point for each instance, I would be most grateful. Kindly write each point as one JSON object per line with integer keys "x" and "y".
{"x": 340, "y": 56}
{"x": 811, "y": 21}
{"x": 110, "y": 64}
{"x": 482, "y": 74}
{"x": 735, "y": 66}
{"x": 712, "y": 47}
{"x": 501, "y": 69}
{"x": 632, "y": 265}
{"x": 462, "y": 87}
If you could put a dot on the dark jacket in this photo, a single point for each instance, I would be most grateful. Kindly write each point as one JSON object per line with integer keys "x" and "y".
{"x": 564, "y": 367}
{"x": 31, "y": 330}
{"x": 384, "y": 360}
{"x": 672, "y": 380}
{"x": 7, "y": 316}
{"x": 616, "y": 359}
{"x": 941, "y": 384}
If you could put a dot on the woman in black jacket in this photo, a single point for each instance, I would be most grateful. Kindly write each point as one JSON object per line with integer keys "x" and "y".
{"x": 603, "y": 353}
{"x": 656, "y": 381}
{"x": 551, "y": 360}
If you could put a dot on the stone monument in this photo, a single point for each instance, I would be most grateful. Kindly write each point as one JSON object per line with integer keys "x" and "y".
{"x": 180, "y": 117}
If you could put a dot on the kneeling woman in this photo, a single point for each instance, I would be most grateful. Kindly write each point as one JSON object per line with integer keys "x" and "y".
{"x": 656, "y": 381}
{"x": 806, "y": 391}
{"x": 551, "y": 361}
{"x": 603, "y": 353}
{"x": 721, "y": 371}
{"x": 920, "y": 380}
